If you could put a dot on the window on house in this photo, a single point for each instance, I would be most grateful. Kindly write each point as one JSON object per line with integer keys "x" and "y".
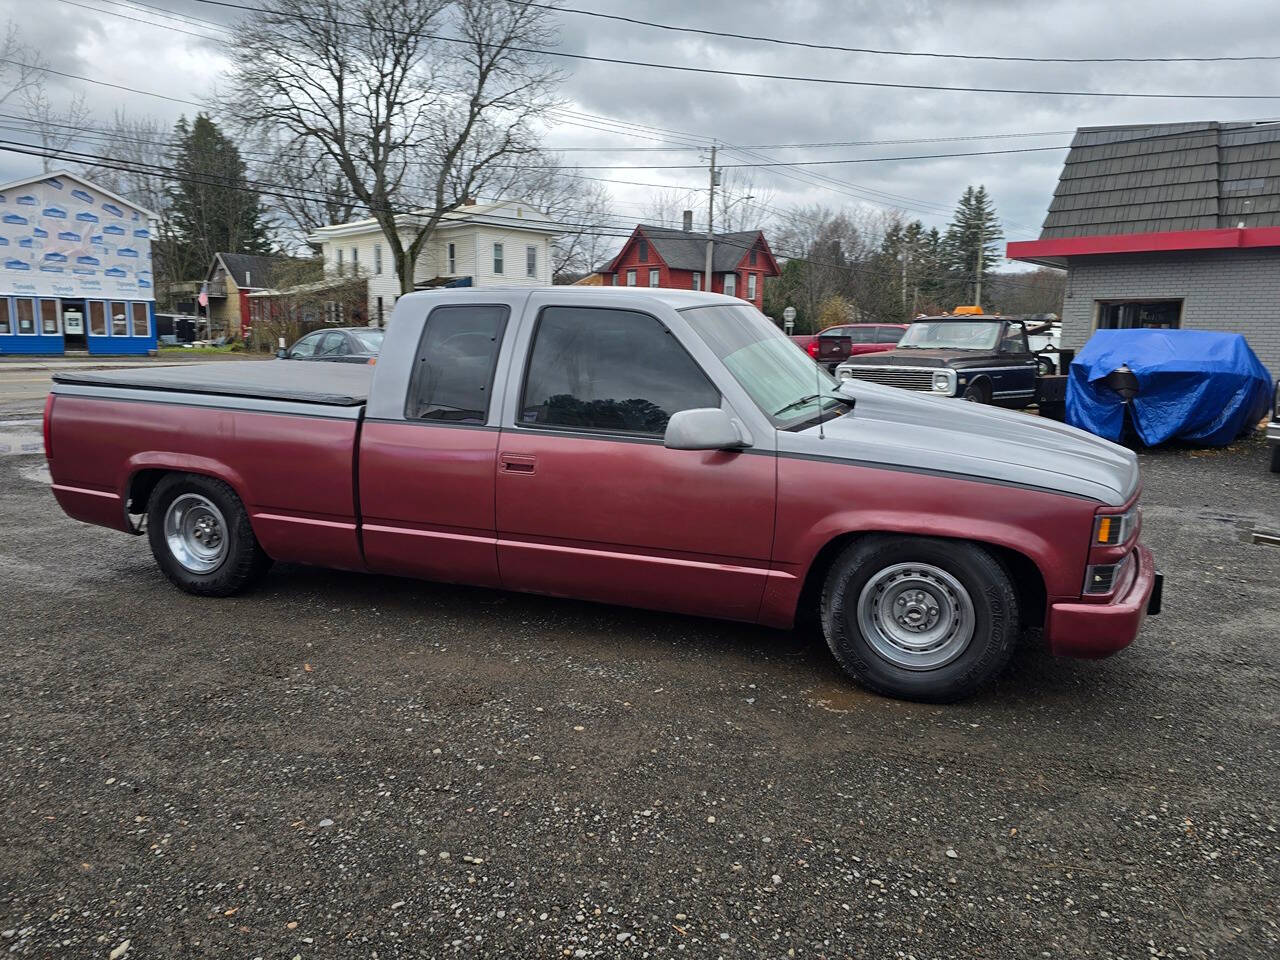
{"x": 452, "y": 250}
{"x": 453, "y": 376}
{"x": 97, "y": 318}
{"x": 340, "y": 266}
{"x": 730, "y": 284}
{"x": 497, "y": 258}
{"x": 355, "y": 261}
{"x": 752, "y": 259}
{"x": 613, "y": 370}
{"x": 377, "y": 259}
{"x": 530, "y": 261}
{"x": 141, "y": 322}
{"x": 1139, "y": 314}
{"x": 49, "y": 317}
{"x": 642, "y": 250}
{"x": 631, "y": 278}
{"x": 6, "y": 325}
{"x": 26, "y": 316}
{"x": 654, "y": 277}
{"x": 697, "y": 281}
{"x": 119, "y": 320}
{"x": 751, "y": 286}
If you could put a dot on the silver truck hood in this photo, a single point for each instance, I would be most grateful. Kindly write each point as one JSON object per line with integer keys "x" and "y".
{"x": 904, "y": 430}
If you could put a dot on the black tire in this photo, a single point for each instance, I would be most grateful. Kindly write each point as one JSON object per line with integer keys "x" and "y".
{"x": 995, "y": 617}
{"x": 1275, "y": 458}
{"x": 244, "y": 562}
{"x": 978, "y": 392}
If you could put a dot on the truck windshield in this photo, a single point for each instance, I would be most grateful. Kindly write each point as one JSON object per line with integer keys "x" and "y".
{"x": 781, "y": 379}
{"x": 951, "y": 335}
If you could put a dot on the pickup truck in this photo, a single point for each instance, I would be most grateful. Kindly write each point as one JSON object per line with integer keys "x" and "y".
{"x": 659, "y": 448}
{"x": 980, "y": 357}
{"x": 833, "y": 345}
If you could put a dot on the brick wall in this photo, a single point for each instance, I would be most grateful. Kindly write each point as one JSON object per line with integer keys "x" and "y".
{"x": 1237, "y": 291}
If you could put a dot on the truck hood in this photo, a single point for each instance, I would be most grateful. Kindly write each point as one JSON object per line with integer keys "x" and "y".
{"x": 907, "y": 358}
{"x": 899, "y": 429}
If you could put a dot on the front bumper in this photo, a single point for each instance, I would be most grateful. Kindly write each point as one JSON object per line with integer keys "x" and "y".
{"x": 1077, "y": 629}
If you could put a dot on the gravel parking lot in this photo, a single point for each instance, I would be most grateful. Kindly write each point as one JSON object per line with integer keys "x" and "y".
{"x": 351, "y": 766}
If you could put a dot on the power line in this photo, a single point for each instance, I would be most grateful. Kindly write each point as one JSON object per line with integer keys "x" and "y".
{"x": 102, "y": 83}
{"x": 889, "y": 53}
{"x": 788, "y": 78}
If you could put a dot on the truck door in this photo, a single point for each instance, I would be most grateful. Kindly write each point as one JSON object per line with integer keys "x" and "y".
{"x": 1013, "y": 380}
{"x": 426, "y": 476}
{"x": 591, "y": 504}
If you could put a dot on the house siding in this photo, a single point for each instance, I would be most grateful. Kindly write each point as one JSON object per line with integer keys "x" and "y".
{"x": 1233, "y": 291}
{"x": 676, "y": 279}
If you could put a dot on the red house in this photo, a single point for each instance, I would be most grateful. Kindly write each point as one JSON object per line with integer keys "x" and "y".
{"x": 663, "y": 257}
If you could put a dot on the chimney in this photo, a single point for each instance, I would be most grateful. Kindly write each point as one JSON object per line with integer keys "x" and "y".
{"x": 688, "y": 221}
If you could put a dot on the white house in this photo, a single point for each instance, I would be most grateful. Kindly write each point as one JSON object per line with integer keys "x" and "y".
{"x": 478, "y": 244}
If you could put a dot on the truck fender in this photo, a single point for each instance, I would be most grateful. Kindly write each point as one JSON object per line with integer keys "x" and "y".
{"x": 177, "y": 463}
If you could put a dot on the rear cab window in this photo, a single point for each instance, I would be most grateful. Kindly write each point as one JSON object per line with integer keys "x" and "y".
{"x": 452, "y": 379}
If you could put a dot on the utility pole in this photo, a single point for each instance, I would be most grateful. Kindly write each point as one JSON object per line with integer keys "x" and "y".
{"x": 906, "y": 255}
{"x": 711, "y": 211}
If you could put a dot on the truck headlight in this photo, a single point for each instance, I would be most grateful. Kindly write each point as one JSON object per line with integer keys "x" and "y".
{"x": 844, "y": 373}
{"x": 1111, "y": 529}
{"x": 944, "y": 381}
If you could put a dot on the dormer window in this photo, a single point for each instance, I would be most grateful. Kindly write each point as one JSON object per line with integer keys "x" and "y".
{"x": 753, "y": 256}
{"x": 642, "y": 250}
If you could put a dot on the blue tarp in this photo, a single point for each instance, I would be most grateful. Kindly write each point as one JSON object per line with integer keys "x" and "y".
{"x": 1193, "y": 386}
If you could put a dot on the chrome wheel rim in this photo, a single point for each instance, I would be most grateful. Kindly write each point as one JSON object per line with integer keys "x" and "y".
{"x": 916, "y": 616}
{"x": 196, "y": 533}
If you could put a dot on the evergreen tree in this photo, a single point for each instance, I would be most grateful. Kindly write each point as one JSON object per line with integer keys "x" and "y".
{"x": 212, "y": 208}
{"x": 974, "y": 226}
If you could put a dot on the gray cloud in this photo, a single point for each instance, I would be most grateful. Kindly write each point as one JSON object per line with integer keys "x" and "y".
{"x": 748, "y": 111}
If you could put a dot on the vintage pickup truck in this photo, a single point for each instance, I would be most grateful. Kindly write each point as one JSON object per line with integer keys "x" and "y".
{"x": 655, "y": 448}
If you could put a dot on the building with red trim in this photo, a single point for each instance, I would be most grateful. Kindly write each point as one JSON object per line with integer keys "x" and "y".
{"x": 664, "y": 257}
{"x": 1168, "y": 225}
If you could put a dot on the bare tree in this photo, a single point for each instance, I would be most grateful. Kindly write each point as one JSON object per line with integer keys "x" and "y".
{"x": 583, "y": 209}
{"x": 313, "y": 191}
{"x": 414, "y": 124}
{"x": 741, "y": 203}
{"x": 20, "y": 66}
{"x": 57, "y": 129}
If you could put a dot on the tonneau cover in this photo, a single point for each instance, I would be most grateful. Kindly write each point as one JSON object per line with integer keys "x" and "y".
{"x": 300, "y": 381}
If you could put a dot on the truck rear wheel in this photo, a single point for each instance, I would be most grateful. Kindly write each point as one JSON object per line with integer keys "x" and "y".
{"x": 201, "y": 537}
{"x": 919, "y": 618}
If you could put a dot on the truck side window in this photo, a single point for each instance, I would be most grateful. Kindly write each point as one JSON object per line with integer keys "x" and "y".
{"x": 612, "y": 370}
{"x": 453, "y": 371}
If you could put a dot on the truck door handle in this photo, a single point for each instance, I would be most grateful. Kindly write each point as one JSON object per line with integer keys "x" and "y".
{"x": 518, "y": 463}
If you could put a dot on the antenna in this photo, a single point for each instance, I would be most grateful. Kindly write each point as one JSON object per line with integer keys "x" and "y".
{"x": 817, "y": 382}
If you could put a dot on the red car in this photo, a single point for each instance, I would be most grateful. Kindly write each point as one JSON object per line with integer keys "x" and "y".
{"x": 834, "y": 345}
{"x": 656, "y": 448}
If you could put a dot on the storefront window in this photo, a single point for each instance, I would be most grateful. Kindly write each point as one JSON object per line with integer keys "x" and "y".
{"x": 49, "y": 317}
{"x": 97, "y": 318}
{"x": 6, "y": 325}
{"x": 26, "y": 316}
{"x": 119, "y": 320}
{"x": 141, "y": 323}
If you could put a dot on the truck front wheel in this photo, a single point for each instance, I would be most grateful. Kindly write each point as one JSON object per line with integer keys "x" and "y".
{"x": 201, "y": 537}
{"x": 919, "y": 618}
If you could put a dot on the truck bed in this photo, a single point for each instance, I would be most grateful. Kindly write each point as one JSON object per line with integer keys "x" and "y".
{"x": 330, "y": 384}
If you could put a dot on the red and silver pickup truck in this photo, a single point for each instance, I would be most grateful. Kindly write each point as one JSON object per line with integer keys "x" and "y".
{"x": 656, "y": 448}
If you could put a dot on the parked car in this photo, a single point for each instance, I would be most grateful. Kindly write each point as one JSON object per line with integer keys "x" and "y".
{"x": 1273, "y": 429}
{"x": 337, "y": 344}
{"x": 977, "y": 356}
{"x": 836, "y": 344}
{"x": 657, "y": 448}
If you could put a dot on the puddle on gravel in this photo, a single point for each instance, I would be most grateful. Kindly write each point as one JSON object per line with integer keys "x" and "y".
{"x": 20, "y": 438}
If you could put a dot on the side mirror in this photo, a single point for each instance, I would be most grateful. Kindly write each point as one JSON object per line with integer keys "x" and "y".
{"x": 282, "y": 354}
{"x": 707, "y": 428}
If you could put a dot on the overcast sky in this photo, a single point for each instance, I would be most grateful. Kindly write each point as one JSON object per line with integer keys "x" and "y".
{"x": 84, "y": 37}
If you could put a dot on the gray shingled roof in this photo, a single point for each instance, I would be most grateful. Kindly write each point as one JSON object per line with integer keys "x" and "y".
{"x": 1149, "y": 178}
{"x": 245, "y": 267}
{"x": 683, "y": 250}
